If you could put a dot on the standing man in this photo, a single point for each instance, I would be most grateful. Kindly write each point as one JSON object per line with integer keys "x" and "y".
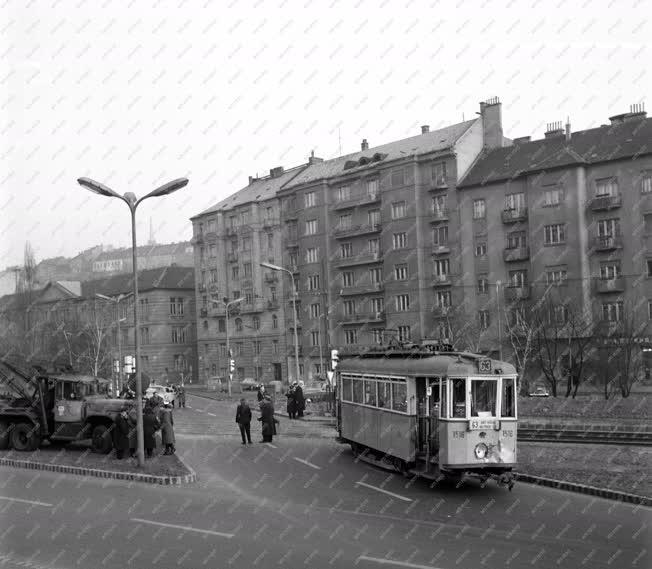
{"x": 299, "y": 398}
{"x": 243, "y": 419}
{"x": 121, "y": 434}
{"x": 167, "y": 429}
{"x": 182, "y": 396}
{"x": 267, "y": 419}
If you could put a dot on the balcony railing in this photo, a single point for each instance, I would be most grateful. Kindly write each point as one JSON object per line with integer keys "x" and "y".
{"x": 357, "y": 230}
{"x": 271, "y": 277}
{"x": 362, "y": 317}
{"x": 443, "y": 249}
{"x": 516, "y": 254}
{"x": 362, "y": 289}
{"x": 603, "y": 203}
{"x": 517, "y": 292}
{"x": 273, "y": 304}
{"x": 439, "y": 311}
{"x": 441, "y": 280}
{"x": 269, "y": 222}
{"x": 362, "y": 199}
{"x": 514, "y": 214}
{"x": 439, "y": 214}
{"x": 361, "y": 259}
{"x": 607, "y": 242}
{"x": 603, "y": 286}
{"x": 258, "y": 305}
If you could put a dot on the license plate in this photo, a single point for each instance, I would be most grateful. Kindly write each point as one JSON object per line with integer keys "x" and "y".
{"x": 482, "y": 424}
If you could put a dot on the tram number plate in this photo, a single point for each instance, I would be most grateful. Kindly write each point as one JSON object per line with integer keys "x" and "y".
{"x": 484, "y": 366}
{"x": 481, "y": 424}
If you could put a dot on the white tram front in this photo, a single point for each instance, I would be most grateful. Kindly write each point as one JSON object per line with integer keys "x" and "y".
{"x": 437, "y": 414}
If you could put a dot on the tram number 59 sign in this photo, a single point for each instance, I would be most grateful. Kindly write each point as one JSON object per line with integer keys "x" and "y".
{"x": 484, "y": 366}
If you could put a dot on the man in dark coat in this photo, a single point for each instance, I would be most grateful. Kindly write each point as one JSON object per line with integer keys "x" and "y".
{"x": 182, "y": 396}
{"x": 150, "y": 426}
{"x": 267, "y": 419}
{"x": 243, "y": 419}
{"x": 261, "y": 392}
{"x": 167, "y": 428}
{"x": 131, "y": 419}
{"x": 121, "y": 435}
{"x": 292, "y": 403}
{"x": 300, "y": 399}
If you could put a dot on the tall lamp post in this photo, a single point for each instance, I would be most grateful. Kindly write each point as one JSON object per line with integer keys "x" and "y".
{"x": 116, "y": 300}
{"x": 227, "y": 305}
{"x": 132, "y": 202}
{"x": 294, "y": 303}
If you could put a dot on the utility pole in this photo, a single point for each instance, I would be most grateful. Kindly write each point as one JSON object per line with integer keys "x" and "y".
{"x": 500, "y": 327}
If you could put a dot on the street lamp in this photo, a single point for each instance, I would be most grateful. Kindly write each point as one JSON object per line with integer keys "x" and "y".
{"x": 228, "y": 349}
{"x": 116, "y": 300}
{"x": 294, "y": 302}
{"x": 132, "y": 202}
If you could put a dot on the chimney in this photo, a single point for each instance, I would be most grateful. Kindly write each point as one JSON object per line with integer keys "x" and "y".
{"x": 425, "y": 128}
{"x": 522, "y": 140}
{"x": 313, "y": 159}
{"x": 364, "y": 145}
{"x": 251, "y": 179}
{"x": 276, "y": 172}
{"x": 554, "y": 129}
{"x": 568, "y": 129}
{"x": 492, "y": 123}
{"x": 636, "y": 112}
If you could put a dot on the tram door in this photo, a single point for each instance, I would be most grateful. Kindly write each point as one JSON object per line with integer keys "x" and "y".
{"x": 422, "y": 413}
{"x": 433, "y": 413}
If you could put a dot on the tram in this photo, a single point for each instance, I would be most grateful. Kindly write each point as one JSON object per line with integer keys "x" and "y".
{"x": 430, "y": 411}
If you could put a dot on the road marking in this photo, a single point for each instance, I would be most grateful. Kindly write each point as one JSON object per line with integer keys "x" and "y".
{"x": 45, "y": 504}
{"x": 396, "y": 563}
{"x": 212, "y": 414}
{"x": 184, "y": 528}
{"x": 384, "y": 491}
{"x": 310, "y": 464}
{"x": 271, "y": 445}
{"x": 199, "y": 410}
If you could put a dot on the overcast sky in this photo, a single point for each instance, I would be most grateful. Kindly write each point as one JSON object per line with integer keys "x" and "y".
{"x": 134, "y": 94}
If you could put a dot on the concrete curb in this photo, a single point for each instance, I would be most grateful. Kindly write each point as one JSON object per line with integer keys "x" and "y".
{"x": 584, "y": 489}
{"x": 97, "y": 473}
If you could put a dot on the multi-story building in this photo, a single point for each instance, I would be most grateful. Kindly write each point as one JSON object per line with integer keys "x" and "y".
{"x": 151, "y": 256}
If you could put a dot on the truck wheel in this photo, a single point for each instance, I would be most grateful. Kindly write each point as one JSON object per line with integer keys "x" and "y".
{"x": 24, "y": 437}
{"x": 102, "y": 443}
{"x": 4, "y": 435}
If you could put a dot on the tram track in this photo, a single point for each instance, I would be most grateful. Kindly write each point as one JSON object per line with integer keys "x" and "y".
{"x": 632, "y": 438}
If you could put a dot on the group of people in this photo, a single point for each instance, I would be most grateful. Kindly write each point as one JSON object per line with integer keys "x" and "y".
{"x": 267, "y": 419}
{"x": 296, "y": 404}
{"x": 155, "y": 418}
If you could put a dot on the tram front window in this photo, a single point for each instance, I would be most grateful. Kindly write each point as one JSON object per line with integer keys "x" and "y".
{"x": 483, "y": 398}
{"x": 459, "y": 398}
{"x": 508, "y": 407}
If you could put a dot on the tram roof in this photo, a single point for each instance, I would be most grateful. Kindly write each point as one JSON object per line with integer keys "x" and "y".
{"x": 441, "y": 365}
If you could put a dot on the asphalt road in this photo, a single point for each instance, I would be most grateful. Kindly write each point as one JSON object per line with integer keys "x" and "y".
{"x": 305, "y": 502}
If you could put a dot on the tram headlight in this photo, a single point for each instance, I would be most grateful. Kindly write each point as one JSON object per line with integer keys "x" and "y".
{"x": 480, "y": 450}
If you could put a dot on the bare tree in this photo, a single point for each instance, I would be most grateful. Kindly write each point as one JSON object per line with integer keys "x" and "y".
{"x": 580, "y": 340}
{"x": 548, "y": 341}
{"x": 463, "y": 331}
{"x": 95, "y": 333}
{"x": 520, "y": 332}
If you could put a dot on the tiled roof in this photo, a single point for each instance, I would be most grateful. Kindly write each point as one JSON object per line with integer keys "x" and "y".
{"x": 602, "y": 144}
{"x": 260, "y": 189}
{"x": 164, "y": 278}
{"x": 421, "y": 144}
{"x": 145, "y": 251}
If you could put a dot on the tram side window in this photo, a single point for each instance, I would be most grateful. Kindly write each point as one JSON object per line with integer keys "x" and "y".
{"x": 346, "y": 389}
{"x": 399, "y": 397}
{"x": 459, "y": 398}
{"x": 358, "y": 391}
{"x": 370, "y": 393}
{"x": 444, "y": 400}
{"x": 384, "y": 394}
{"x": 508, "y": 398}
{"x": 483, "y": 398}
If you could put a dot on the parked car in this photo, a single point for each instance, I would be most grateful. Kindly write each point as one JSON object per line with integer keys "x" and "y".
{"x": 540, "y": 392}
{"x": 249, "y": 384}
{"x": 164, "y": 392}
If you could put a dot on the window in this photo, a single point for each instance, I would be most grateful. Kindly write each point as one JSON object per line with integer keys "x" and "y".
{"x": 384, "y": 394}
{"x": 211, "y": 251}
{"x": 238, "y": 324}
{"x": 144, "y": 335}
{"x": 398, "y": 210}
{"x": 274, "y": 321}
{"x": 234, "y": 245}
{"x": 560, "y": 314}
{"x": 608, "y": 227}
{"x": 314, "y": 338}
{"x": 256, "y": 323}
{"x": 398, "y": 177}
{"x": 180, "y": 363}
{"x": 647, "y": 221}
{"x": 439, "y": 205}
{"x": 292, "y": 232}
{"x": 553, "y": 197}
{"x": 221, "y": 325}
{"x": 401, "y": 272}
{"x": 404, "y": 333}
{"x": 357, "y": 390}
{"x": 610, "y": 270}
{"x": 247, "y": 270}
{"x": 200, "y": 229}
{"x": 201, "y": 254}
{"x": 439, "y": 173}
{"x": 244, "y": 216}
{"x": 377, "y": 304}
{"x": 309, "y": 199}
{"x": 443, "y": 298}
{"x": 483, "y": 397}
{"x": 402, "y": 302}
{"x": 554, "y": 234}
{"x": 269, "y": 212}
{"x": 374, "y": 246}
{"x": 515, "y": 201}
{"x": 399, "y": 240}
{"x": 556, "y": 276}
{"x": 347, "y": 278}
{"x": 377, "y": 335}
{"x": 345, "y": 221}
{"x": 313, "y": 282}
{"x": 370, "y": 393}
{"x": 372, "y": 187}
{"x": 376, "y": 275}
{"x": 246, "y": 244}
{"x": 480, "y": 249}
{"x": 516, "y": 240}
{"x": 239, "y": 348}
{"x": 399, "y": 397}
{"x": 315, "y": 310}
{"x": 479, "y": 209}
{"x": 606, "y": 187}
{"x": 275, "y": 347}
{"x": 612, "y": 311}
{"x": 233, "y": 221}
{"x": 483, "y": 285}
{"x": 311, "y": 227}
{"x": 649, "y": 309}
{"x": 144, "y": 307}
{"x": 346, "y": 250}
{"x": 343, "y": 194}
{"x": 294, "y": 259}
{"x": 518, "y": 279}
{"x": 176, "y": 306}
{"x": 646, "y": 183}
{"x": 483, "y": 319}
{"x": 203, "y": 277}
{"x": 349, "y": 307}
{"x": 235, "y": 272}
{"x": 373, "y": 217}
{"x": 440, "y": 236}
{"x": 312, "y": 255}
{"x": 350, "y": 337}
{"x": 211, "y": 226}
{"x": 270, "y": 240}
{"x": 178, "y": 334}
{"x": 256, "y": 345}
{"x": 222, "y": 350}
{"x": 272, "y": 293}
{"x": 459, "y": 397}
{"x": 441, "y": 267}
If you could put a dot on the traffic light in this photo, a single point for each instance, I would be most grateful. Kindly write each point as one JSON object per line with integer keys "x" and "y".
{"x": 232, "y": 365}
{"x": 335, "y": 358}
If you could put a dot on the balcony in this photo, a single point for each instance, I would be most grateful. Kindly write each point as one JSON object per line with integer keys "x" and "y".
{"x": 362, "y": 289}
{"x": 514, "y": 293}
{"x": 608, "y": 242}
{"x": 440, "y": 311}
{"x": 439, "y": 214}
{"x": 363, "y": 199}
{"x": 441, "y": 249}
{"x": 605, "y": 286}
{"x": 270, "y": 222}
{"x": 362, "y": 229}
{"x": 271, "y": 277}
{"x": 203, "y": 312}
{"x": 605, "y": 203}
{"x": 232, "y": 257}
{"x": 441, "y": 280}
{"x": 258, "y": 305}
{"x": 273, "y": 304}
{"x": 231, "y": 231}
{"x": 199, "y": 238}
{"x": 292, "y": 241}
{"x": 516, "y": 254}
{"x": 362, "y": 317}
{"x": 363, "y": 259}
{"x": 514, "y": 215}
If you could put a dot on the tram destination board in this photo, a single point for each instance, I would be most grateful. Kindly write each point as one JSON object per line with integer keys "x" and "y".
{"x": 483, "y": 424}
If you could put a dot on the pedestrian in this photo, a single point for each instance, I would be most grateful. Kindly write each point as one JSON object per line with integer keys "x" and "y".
{"x": 121, "y": 434}
{"x": 150, "y": 426}
{"x": 133, "y": 441}
{"x": 261, "y": 392}
{"x": 299, "y": 398}
{"x": 267, "y": 419}
{"x": 167, "y": 428}
{"x": 243, "y": 419}
{"x": 182, "y": 396}
{"x": 292, "y": 403}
